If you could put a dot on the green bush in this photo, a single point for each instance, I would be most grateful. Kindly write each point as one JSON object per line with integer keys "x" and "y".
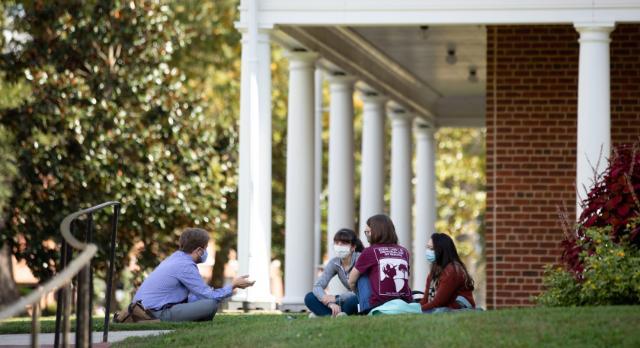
{"x": 611, "y": 273}
{"x": 561, "y": 288}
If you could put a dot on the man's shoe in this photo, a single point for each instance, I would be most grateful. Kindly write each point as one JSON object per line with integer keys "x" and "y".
{"x": 312, "y": 315}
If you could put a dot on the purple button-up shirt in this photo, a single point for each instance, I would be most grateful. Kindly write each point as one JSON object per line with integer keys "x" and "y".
{"x": 175, "y": 280}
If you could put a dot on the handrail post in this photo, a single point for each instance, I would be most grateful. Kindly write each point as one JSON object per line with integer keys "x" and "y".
{"x": 35, "y": 325}
{"x": 83, "y": 337}
{"x": 67, "y": 316}
{"x": 112, "y": 258}
{"x": 89, "y": 309}
{"x": 60, "y": 295}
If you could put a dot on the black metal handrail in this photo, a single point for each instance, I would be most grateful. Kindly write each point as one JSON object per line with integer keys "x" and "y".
{"x": 80, "y": 266}
{"x": 85, "y": 279}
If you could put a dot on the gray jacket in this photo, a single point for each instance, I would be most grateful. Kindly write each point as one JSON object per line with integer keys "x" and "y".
{"x": 333, "y": 267}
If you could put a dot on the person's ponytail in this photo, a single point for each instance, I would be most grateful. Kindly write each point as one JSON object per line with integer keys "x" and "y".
{"x": 358, "y": 243}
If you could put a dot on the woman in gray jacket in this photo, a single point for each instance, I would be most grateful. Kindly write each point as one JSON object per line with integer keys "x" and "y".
{"x": 347, "y": 247}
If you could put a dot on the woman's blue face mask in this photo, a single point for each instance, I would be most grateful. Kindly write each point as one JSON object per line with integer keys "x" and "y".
{"x": 430, "y": 255}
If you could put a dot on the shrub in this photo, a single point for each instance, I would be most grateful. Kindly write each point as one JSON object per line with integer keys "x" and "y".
{"x": 610, "y": 275}
{"x": 612, "y": 202}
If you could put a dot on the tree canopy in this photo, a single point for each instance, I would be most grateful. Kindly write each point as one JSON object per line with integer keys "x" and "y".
{"x": 110, "y": 117}
{"x": 138, "y": 101}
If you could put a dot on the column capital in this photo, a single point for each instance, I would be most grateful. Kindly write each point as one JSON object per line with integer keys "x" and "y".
{"x": 301, "y": 59}
{"x": 423, "y": 129}
{"x": 369, "y": 95}
{"x": 341, "y": 78}
{"x": 398, "y": 113}
{"x": 594, "y": 31}
{"x": 264, "y": 34}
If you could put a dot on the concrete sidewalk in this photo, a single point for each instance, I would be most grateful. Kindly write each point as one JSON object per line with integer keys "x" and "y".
{"x": 47, "y": 339}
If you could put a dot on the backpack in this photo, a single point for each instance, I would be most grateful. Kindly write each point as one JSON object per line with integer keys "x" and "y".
{"x": 135, "y": 313}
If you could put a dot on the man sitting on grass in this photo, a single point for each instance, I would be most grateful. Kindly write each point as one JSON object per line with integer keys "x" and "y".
{"x": 175, "y": 291}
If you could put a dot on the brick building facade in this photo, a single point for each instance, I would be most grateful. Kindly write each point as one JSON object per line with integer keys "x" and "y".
{"x": 531, "y": 115}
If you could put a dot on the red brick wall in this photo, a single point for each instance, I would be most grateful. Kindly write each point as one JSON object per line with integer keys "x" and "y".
{"x": 531, "y": 145}
{"x": 625, "y": 84}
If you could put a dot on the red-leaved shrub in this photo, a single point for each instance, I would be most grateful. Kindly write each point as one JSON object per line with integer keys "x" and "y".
{"x": 613, "y": 201}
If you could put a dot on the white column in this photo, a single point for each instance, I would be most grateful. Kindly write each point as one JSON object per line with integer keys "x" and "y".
{"x": 317, "y": 226}
{"x": 373, "y": 163}
{"x": 300, "y": 197}
{"x": 401, "y": 200}
{"x": 341, "y": 162}
{"x": 425, "y": 214}
{"x": 594, "y": 110}
{"x": 254, "y": 201}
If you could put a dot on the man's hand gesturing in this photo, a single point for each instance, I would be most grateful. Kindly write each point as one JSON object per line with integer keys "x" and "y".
{"x": 242, "y": 282}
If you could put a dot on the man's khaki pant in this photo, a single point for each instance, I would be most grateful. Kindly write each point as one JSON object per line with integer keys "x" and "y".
{"x": 201, "y": 310}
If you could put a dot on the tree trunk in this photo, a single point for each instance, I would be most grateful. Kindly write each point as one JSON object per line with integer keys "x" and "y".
{"x": 226, "y": 243}
{"x": 8, "y": 289}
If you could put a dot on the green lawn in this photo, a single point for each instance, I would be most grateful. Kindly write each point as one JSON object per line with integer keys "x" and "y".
{"x": 535, "y": 327}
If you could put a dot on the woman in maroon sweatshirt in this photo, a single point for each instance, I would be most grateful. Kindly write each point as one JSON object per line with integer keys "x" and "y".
{"x": 449, "y": 285}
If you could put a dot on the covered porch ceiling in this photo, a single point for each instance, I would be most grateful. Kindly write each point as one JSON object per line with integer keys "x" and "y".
{"x": 383, "y": 43}
{"x": 438, "y": 72}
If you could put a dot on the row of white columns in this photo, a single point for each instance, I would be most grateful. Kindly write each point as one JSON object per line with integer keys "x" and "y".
{"x": 302, "y": 194}
{"x": 302, "y": 175}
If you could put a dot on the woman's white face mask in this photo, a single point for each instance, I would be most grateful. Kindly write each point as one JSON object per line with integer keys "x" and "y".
{"x": 342, "y": 251}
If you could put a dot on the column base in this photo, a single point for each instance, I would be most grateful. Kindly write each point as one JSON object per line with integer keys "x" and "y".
{"x": 241, "y": 301}
{"x": 250, "y": 306}
{"x": 294, "y": 308}
{"x": 293, "y": 304}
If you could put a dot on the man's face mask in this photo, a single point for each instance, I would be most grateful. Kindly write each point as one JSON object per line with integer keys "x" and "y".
{"x": 204, "y": 256}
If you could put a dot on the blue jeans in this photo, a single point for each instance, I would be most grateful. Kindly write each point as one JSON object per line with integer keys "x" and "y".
{"x": 364, "y": 293}
{"x": 349, "y": 304}
{"x": 463, "y": 302}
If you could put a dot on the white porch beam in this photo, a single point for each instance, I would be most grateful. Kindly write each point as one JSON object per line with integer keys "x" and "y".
{"x": 341, "y": 162}
{"x": 300, "y": 192}
{"x": 401, "y": 198}
{"x": 356, "y": 56}
{"x": 425, "y": 213}
{"x": 594, "y": 105}
{"x": 458, "y": 12}
{"x": 373, "y": 158}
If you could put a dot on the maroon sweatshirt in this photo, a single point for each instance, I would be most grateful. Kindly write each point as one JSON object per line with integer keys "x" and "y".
{"x": 450, "y": 286}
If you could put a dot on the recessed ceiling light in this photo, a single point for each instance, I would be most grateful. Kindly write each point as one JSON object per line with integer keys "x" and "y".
{"x": 424, "y": 32}
{"x": 451, "y": 54}
{"x": 473, "y": 74}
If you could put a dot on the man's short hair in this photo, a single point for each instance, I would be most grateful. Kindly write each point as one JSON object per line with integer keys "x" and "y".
{"x": 193, "y": 238}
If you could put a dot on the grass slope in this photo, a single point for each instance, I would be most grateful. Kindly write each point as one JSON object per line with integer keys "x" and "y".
{"x": 537, "y": 327}
{"x": 534, "y": 327}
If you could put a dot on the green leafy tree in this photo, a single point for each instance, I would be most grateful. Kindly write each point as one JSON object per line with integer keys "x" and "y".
{"x": 211, "y": 62}
{"x": 11, "y": 95}
{"x": 110, "y": 117}
{"x": 460, "y": 183}
{"x": 461, "y": 194}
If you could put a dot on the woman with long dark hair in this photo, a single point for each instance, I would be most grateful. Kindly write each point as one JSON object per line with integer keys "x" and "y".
{"x": 382, "y": 271}
{"x": 347, "y": 247}
{"x": 449, "y": 285}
